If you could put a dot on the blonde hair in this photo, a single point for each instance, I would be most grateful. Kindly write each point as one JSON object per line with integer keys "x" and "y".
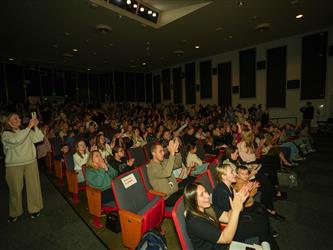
{"x": 248, "y": 139}
{"x": 221, "y": 170}
{"x": 90, "y": 161}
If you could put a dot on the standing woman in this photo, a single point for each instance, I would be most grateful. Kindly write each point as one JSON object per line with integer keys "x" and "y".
{"x": 21, "y": 165}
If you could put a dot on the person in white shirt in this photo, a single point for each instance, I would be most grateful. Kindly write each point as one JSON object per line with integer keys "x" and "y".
{"x": 80, "y": 158}
{"x": 193, "y": 160}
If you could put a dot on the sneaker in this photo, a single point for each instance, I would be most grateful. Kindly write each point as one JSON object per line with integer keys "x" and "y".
{"x": 275, "y": 234}
{"x": 277, "y": 216}
{"x": 35, "y": 215}
{"x": 12, "y": 219}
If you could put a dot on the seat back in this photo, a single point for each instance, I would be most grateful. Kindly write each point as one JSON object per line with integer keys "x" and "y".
{"x": 137, "y": 212}
{"x": 206, "y": 180}
{"x": 212, "y": 168}
{"x": 69, "y": 161}
{"x": 138, "y": 154}
{"x": 200, "y": 150}
{"x": 144, "y": 175}
{"x": 180, "y": 224}
{"x": 56, "y": 144}
{"x": 129, "y": 191}
{"x": 148, "y": 152}
{"x": 183, "y": 153}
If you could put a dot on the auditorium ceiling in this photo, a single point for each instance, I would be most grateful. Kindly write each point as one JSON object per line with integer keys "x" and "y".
{"x": 82, "y": 34}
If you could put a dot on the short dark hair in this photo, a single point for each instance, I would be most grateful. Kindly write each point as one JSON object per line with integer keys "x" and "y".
{"x": 154, "y": 146}
{"x": 242, "y": 167}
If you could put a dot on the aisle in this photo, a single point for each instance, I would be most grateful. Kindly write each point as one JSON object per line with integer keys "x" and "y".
{"x": 309, "y": 207}
{"x": 58, "y": 227}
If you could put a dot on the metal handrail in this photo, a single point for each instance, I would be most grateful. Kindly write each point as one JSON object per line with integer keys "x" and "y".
{"x": 284, "y": 118}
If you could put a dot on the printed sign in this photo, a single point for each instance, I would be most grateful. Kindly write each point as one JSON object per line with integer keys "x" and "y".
{"x": 129, "y": 180}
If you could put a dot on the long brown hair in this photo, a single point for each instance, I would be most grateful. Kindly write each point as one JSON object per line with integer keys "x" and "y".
{"x": 191, "y": 204}
{"x": 248, "y": 138}
{"x": 77, "y": 148}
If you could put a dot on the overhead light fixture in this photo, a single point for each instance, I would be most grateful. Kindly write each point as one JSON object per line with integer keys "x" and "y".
{"x": 241, "y": 3}
{"x": 88, "y": 69}
{"x": 144, "y": 64}
{"x": 75, "y": 50}
{"x": 11, "y": 59}
{"x": 299, "y": 16}
{"x": 197, "y": 46}
{"x": 136, "y": 7}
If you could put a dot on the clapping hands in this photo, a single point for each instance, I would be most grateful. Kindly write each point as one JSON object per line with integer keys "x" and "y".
{"x": 239, "y": 198}
{"x": 173, "y": 146}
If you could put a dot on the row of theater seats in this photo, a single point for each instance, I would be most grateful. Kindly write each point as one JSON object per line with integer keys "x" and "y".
{"x": 140, "y": 207}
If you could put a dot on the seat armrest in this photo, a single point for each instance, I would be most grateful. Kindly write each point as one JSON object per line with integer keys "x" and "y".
{"x": 130, "y": 216}
{"x": 153, "y": 192}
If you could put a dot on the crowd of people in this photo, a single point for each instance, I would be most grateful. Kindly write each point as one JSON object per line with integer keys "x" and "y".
{"x": 251, "y": 150}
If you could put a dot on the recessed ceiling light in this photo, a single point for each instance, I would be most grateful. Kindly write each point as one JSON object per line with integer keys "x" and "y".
{"x": 75, "y": 50}
{"x": 154, "y": 14}
{"x": 11, "y": 59}
{"x": 241, "y": 3}
{"x": 144, "y": 64}
{"x": 88, "y": 69}
{"x": 150, "y": 12}
{"x": 142, "y": 9}
{"x": 128, "y": 2}
{"x": 135, "y": 6}
{"x": 299, "y": 16}
{"x": 197, "y": 46}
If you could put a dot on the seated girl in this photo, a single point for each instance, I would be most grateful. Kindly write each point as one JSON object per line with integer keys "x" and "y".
{"x": 193, "y": 160}
{"x": 104, "y": 148}
{"x": 80, "y": 158}
{"x": 203, "y": 224}
{"x": 99, "y": 175}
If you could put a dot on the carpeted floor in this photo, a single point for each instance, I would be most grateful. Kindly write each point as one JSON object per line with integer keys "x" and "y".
{"x": 63, "y": 225}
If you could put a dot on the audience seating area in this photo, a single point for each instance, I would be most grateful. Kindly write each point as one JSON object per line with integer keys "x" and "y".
{"x": 140, "y": 208}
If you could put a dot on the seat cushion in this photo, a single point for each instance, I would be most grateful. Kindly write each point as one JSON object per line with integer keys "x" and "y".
{"x": 151, "y": 203}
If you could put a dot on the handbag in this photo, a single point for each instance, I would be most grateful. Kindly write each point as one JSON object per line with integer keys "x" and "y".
{"x": 287, "y": 178}
{"x": 113, "y": 222}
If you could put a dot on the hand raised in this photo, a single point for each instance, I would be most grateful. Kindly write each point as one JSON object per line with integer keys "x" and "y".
{"x": 130, "y": 162}
{"x": 31, "y": 123}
